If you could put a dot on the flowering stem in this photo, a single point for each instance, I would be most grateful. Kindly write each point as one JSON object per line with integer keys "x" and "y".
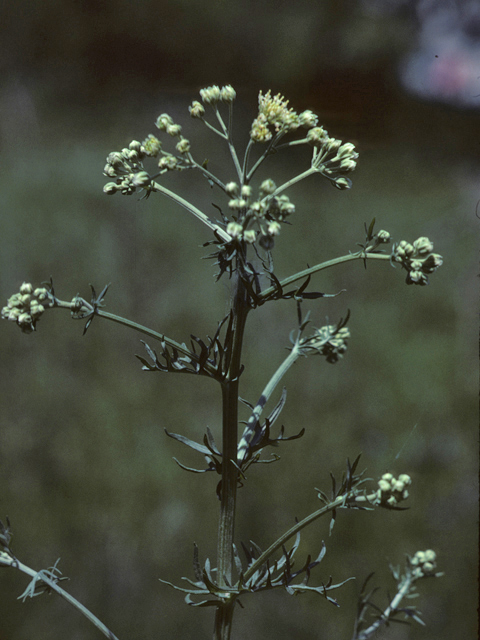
{"x": 266, "y": 153}
{"x": 392, "y": 607}
{"x": 192, "y": 209}
{"x": 360, "y": 255}
{"x": 206, "y": 173}
{"x": 338, "y": 502}
{"x": 266, "y": 393}
{"x": 289, "y": 183}
{"x": 228, "y": 137}
{"x": 133, "y": 325}
{"x": 52, "y": 584}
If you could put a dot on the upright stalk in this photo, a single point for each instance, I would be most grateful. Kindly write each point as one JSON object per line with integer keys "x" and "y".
{"x": 226, "y": 526}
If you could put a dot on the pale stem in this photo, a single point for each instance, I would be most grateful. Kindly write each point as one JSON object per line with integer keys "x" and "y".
{"x": 360, "y": 255}
{"x": 132, "y": 325}
{"x": 267, "y": 392}
{"x": 392, "y": 607}
{"x": 206, "y": 173}
{"x": 192, "y": 209}
{"x": 228, "y": 137}
{"x": 289, "y": 183}
{"x": 278, "y": 136}
{"x": 278, "y": 544}
{"x": 52, "y": 584}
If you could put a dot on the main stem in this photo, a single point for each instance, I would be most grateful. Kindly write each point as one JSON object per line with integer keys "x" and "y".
{"x": 228, "y": 494}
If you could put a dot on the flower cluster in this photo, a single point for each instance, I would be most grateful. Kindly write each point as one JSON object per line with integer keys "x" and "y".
{"x": 329, "y": 341}
{"x": 423, "y": 563}
{"x": 391, "y": 491}
{"x": 274, "y": 115}
{"x": 127, "y": 167}
{"x": 212, "y": 96}
{"x": 266, "y": 213}
{"x": 418, "y": 259}
{"x": 26, "y": 307}
{"x": 331, "y": 157}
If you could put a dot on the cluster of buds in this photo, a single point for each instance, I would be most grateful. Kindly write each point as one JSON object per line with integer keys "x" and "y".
{"x": 26, "y": 307}
{"x": 329, "y": 341}
{"x": 127, "y": 167}
{"x": 274, "y": 116}
{"x": 423, "y": 563}
{"x": 391, "y": 491}
{"x": 212, "y": 96}
{"x": 266, "y": 213}
{"x": 418, "y": 259}
{"x": 331, "y": 157}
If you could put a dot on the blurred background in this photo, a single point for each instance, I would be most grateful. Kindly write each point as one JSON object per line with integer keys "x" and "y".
{"x": 86, "y": 471}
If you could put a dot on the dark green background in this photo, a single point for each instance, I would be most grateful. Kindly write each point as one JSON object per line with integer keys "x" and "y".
{"x": 86, "y": 471}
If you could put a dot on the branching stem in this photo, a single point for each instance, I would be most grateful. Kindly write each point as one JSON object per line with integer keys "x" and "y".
{"x": 52, "y": 584}
{"x": 360, "y": 255}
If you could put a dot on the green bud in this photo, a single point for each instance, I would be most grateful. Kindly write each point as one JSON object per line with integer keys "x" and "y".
{"x": 141, "y": 179}
{"x": 26, "y": 288}
{"x": 152, "y": 146}
{"x": 173, "y": 130}
{"x": 197, "y": 110}
{"x": 308, "y": 119}
{"x": 110, "y": 188}
{"x": 227, "y": 94}
{"x": 267, "y": 187}
{"x": 210, "y": 95}
{"x": 383, "y": 236}
{"x": 423, "y": 246}
{"x": 135, "y": 146}
{"x": 234, "y": 229}
{"x": 342, "y": 183}
{"x": 317, "y": 136}
{"x": 246, "y": 191}
{"x": 163, "y": 121}
{"x": 183, "y": 146}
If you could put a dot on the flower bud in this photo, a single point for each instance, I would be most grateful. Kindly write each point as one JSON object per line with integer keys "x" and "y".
{"x": 234, "y": 229}
{"x": 12, "y": 315}
{"x": 168, "y": 162}
{"x": 383, "y": 236}
{"x": 317, "y": 136}
{"x": 346, "y": 150}
{"x": 246, "y": 191}
{"x": 135, "y": 146}
{"x": 250, "y": 236}
{"x": 173, "y": 130}
{"x": 183, "y": 146}
{"x": 197, "y": 110}
{"x": 342, "y": 183}
{"x": 274, "y": 228}
{"x": 152, "y": 146}
{"x": 423, "y": 246}
{"x": 141, "y": 179}
{"x": 267, "y": 187}
{"x": 384, "y": 485}
{"x": 110, "y": 188}
{"x": 210, "y": 95}
{"x": 227, "y": 94}
{"x": 26, "y": 288}
{"x": 163, "y": 121}
{"x": 308, "y": 119}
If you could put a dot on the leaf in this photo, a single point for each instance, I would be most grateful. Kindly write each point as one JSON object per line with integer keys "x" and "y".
{"x": 190, "y": 443}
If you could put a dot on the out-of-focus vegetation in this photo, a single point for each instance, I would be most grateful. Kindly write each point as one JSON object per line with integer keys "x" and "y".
{"x": 86, "y": 471}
